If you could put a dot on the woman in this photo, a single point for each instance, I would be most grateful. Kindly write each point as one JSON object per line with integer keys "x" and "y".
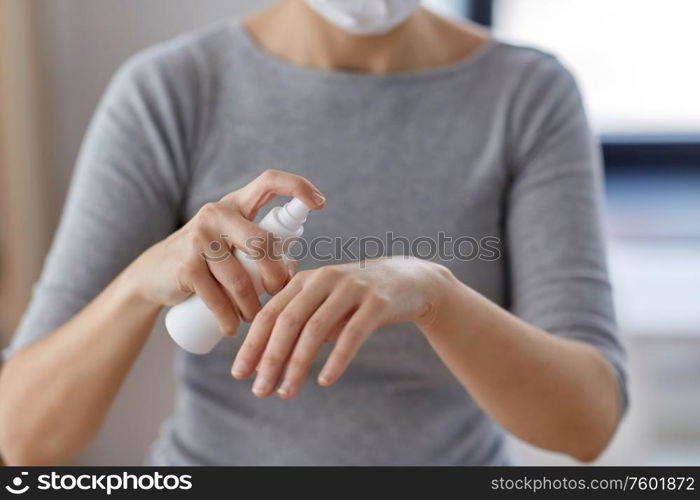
{"x": 409, "y": 124}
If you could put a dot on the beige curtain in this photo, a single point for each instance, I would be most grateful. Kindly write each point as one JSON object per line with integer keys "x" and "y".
{"x": 25, "y": 174}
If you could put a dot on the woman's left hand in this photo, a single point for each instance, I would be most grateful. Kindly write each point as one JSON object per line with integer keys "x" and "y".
{"x": 342, "y": 303}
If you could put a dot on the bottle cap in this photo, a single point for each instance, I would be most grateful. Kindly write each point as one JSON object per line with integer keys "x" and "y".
{"x": 294, "y": 213}
{"x": 297, "y": 209}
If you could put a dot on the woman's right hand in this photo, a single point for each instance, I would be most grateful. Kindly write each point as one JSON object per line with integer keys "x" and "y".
{"x": 197, "y": 258}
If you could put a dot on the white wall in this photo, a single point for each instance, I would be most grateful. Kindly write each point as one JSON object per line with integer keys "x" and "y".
{"x": 83, "y": 42}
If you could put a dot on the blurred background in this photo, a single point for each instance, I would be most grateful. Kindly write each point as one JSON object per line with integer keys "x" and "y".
{"x": 636, "y": 61}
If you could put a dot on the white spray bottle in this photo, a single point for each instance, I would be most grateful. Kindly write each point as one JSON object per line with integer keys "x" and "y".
{"x": 191, "y": 324}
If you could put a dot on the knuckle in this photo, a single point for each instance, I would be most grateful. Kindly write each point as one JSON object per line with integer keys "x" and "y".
{"x": 209, "y": 211}
{"x": 255, "y": 244}
{"x": 289, "y": 321}
{"x": 267, "y": 316}
{"x": 298, "y": 365}
{"x": 296, "y": 282}
{"x": 269, "y": 174}
{"x": 198, "y": 237}
{"x": 298, "y": 182}
{"x": 327, "y": 273}
{"x": 231, "y": 199}
{"x": 262, "y": 236}
{"x": 219, "y": 305}
{"x": 241, "y": 286}
{"x": 302, "y": 276}
{"x": 272, "y": 359}
{"x": 352, "y": 285}
{"x": 377, "y": 300}
{"x": 202, "y": 246}
{"x": 316, "y": 325}
{"x": 276, "y": 275}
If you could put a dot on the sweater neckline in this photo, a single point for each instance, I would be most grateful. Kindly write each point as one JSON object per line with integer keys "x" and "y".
{"x": 240, "y": 32}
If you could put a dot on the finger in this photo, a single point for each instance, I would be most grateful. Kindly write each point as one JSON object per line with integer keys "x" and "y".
{"x": 274, "y": 182}
{"x": 292, "y": 267}
{"x": 262, "y": 248}
{"x": 217, "y": 301}
{"x": 284, "y": 336}
{"x": 359, "y": 327}
{"x": 334, "y": 332}
{"x": 237, "y": 283}
{"x": 255, "y": 342}
{"x": 273, "y": 272}
{"x": 316, "y": 332}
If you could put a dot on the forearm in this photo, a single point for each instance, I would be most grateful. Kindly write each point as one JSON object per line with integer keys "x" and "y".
{"x": 56, "y": 392}
{"x": 552, "y": 392}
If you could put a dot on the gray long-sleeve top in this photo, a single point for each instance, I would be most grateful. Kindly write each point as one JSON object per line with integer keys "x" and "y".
{"x": 496, "y": 146}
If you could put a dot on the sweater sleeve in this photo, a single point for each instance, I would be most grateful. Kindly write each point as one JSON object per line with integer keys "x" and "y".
{"x": 554, "y": 241}
{"x": 125, "y": 193}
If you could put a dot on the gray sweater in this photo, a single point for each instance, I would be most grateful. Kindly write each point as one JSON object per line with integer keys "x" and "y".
{"x": 496, "y": 146}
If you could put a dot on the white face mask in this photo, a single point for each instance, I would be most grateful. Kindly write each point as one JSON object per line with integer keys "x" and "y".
{"x": 365, "y": 17}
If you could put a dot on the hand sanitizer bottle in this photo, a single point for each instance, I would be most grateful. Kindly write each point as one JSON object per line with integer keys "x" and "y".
{"x": 191, "y": 324}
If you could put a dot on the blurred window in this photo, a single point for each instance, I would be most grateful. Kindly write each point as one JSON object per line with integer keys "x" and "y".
{"x": 636, "y": 60}
{"x": 450, "y": 8}
{"x": 478, "y": 10}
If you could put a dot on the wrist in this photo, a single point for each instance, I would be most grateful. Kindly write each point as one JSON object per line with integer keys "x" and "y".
{"x": 128, "y": 289}
{"x": 440, "y": 281}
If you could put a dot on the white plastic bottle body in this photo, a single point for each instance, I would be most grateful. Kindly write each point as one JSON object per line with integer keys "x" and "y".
{"x": 191, "y": 324}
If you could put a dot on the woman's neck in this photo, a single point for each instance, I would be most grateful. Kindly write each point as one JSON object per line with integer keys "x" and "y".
{"x": 294, "y": 32}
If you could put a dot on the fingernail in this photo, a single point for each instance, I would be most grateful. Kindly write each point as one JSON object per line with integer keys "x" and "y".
{"x": 291, "y": 270}
{"x": 260, "y": 386}
{"x": 240, "y": 368}
{"x": 319, "y": 198}
{"x": 285, "y": 389}
{"x": 324, "y": 378}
